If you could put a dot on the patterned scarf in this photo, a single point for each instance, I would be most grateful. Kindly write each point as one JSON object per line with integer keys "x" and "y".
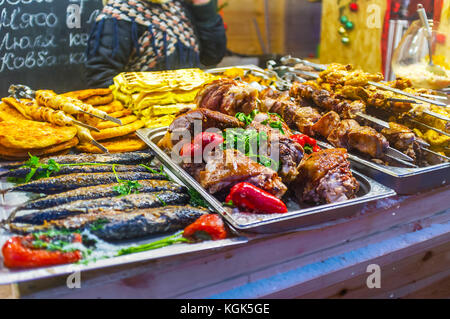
{"x": 168, "y": 30}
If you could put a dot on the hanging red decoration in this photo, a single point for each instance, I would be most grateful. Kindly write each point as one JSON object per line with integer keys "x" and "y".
{"x": 353, "y": 6}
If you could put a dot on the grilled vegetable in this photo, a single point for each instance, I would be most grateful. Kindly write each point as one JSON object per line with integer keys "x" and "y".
{"x": 118, "y": 158}
{"x": 248, "y": 196}
{"x": 40, "y": 250}
{"x": 207, "y": 227}
{"x": 133, "y": 201}
{"x": 100, "y": 191}
{"x": 59, "y": 184}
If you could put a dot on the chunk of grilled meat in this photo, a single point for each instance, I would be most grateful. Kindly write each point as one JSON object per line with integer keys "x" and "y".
{"x": 187, "y": 125}
{"x": 232, "y": 167}
{"x": 228, "y": 96}
{"x": 339, "y": 135}
{"x": 368, "y": 141}
{"x": 296, "y": 116}
{"x": 325, "y": 177}
{"x": 280, "y": 148}
{"x": 350, "y": 135}
{"x": 326, "y": 124}
{"x": 402, "y": 138}
{"x": 326, "y": 100}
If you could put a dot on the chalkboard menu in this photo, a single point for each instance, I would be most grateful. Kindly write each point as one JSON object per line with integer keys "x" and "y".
{"x": 43, "y": 42}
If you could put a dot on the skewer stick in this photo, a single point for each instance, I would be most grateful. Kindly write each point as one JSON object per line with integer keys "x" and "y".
{"x": 430, "y": 127}
{"x": 434, "y": 96}
{"x": 435, "y": 153}
{"x": 437, "y": 115}
{"x": 85, "y": 125}
{"x": 100, "y": 146}
{"x": 402, "y": 161}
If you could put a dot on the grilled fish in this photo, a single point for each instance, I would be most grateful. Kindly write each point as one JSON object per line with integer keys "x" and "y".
{"x": 118, "y": 158}
{"x": 116, "y": 225}
{"x": 65, "y": 170}
{"x": 59, "y": 184}
{"x": 133, "y": 201}
{"x": 100, "y": 191}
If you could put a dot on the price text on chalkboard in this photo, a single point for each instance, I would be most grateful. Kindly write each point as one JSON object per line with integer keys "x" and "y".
{"x": 43, "y": 42}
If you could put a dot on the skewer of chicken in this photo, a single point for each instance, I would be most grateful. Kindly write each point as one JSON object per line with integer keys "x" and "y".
{"x": 70, "y": 105}
{"x": 31, "y": 110}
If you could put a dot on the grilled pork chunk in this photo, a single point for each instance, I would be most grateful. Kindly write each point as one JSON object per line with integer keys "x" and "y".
{"x": 232, "y": 167}
{"x": 228, "y": 96}
{"x": 325, "y": 177}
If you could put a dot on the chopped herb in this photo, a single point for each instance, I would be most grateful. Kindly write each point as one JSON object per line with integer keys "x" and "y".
{"x": 308, "y": 148}
{"x": 247, "y": 119}
{"x": 177, "y": 238}
{"x": 196, "y": 199}
{"x": 125, "y": 187}
{"x": 98, "y": 224}
{"x": 229, "y": 203}
{"x": 162, "y": 202}
{"x": 160, "y": 172}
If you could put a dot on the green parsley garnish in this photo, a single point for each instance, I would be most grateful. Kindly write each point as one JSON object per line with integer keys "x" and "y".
{"x": 125, "y": 187}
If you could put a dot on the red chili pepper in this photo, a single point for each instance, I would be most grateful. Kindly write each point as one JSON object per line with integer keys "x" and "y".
{"x": 303, "y": 139}
{"x": 190, "y": 149}
{"x": 206, "y": 138}
{"x": 18, "y": 253}
{"x": 316, "y": 148}
{"x": 248, "y": 196}
{"x": 211, "y": 224}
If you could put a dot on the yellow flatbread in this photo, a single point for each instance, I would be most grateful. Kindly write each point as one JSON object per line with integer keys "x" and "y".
{"x": 99, "y": 99}
{"x": 25, "y": 134}
{"x": 85, "y": 94}
{"x": 117, "y": 131}
{"x": 128, "y": 143}
{"x": 125, "y": 120}
{"x": 9, "y": 113}
{"x": 11, "y": 153}
{"x": 119, "y": 114}
{"x": 111, "y": 107}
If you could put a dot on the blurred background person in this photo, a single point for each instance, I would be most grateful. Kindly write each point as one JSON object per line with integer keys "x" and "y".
{"x": 153, "y": 35}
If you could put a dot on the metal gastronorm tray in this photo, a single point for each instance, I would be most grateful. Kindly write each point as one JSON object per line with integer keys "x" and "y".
{"x": 297, "y": 217}
{"x": 405, "y": 181}
{"x": 7, "y": 276}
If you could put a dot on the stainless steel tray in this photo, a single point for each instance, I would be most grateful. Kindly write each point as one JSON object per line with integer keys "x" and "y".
{"x": 297, "y": 216}
{"x": 10, "y": 200}
{"x": 405, "y": 181}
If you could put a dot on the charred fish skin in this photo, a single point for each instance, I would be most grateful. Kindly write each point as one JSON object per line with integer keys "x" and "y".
{"x": 133, "y": 201}
{"x": 59, "y": 184}
{"x": 117, "y": 158}
{"x": 100, "y": 191}
{"x": 88, "y": 169}
{"x": 148, "y": 223}
{"x": 117, "y": 225}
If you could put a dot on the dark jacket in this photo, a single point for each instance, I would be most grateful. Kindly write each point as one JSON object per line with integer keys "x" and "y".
{"x": 112, "y": 44}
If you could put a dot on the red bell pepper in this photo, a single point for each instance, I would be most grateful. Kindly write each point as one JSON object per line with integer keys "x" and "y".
{"x": 248, "y": 196}
{"x": 206, "y": 138}
{"x": 211, "y": 225}
{"x": 308, "y": 143}
{"x": 18, "y": 252}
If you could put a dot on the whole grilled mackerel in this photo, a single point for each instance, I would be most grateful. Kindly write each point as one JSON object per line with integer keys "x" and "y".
{"x": 123, "y": 203}
{"x": 65, "y": 170}
{"x": 116, "y": 225}
{"x": 62, "y": 183}
{"x": 118, "y": 158}
{"x": 100, "y": 191}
